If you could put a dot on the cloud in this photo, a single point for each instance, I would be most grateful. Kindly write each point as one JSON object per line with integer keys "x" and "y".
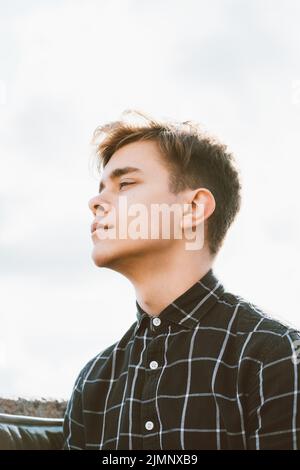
{"x": 68, "y": 66}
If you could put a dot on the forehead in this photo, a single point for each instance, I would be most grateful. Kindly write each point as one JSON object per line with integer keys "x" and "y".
{"x": 142, "y": 155}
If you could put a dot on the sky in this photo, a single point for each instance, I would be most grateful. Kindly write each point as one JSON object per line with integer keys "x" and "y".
{"x": 68, "y": 66}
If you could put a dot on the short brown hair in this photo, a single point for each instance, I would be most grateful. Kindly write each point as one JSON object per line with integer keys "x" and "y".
{"x": 194, "y": 158}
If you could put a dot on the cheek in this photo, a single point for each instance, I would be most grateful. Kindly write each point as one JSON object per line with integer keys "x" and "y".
{"x": 154, "y": 192}
{"x": 140, "y": 204}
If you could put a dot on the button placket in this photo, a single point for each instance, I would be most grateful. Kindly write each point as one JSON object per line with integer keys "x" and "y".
{"x": 155, "y": 323}
{"x": 153, "y": 360}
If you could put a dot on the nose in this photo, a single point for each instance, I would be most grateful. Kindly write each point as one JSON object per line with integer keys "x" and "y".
{"x": 97, "y": 205}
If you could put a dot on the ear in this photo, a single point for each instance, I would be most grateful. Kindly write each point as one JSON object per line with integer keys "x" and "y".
{"x": 199, "y": 208}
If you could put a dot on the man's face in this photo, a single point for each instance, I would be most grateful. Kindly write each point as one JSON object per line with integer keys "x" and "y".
{"x": 139, "y": 190}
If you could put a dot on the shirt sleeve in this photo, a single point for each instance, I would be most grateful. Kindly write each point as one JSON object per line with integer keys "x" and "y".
{"x": 274, "y": 420}
{"x": 73, "y": 426}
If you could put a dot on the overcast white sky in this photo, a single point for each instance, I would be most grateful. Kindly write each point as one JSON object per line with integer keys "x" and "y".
{"x": 67, "y": 66}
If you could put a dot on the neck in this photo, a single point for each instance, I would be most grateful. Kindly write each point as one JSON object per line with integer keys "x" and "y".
{"x": 161, "y": 278}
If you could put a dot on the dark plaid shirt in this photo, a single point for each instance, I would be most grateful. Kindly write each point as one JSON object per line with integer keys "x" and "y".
{"x": 212, "y": 371}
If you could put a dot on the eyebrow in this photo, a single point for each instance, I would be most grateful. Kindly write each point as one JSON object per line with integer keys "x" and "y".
{"x": 117, "y": 172}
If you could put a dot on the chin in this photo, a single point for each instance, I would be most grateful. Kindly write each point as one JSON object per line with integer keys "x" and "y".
{"x": 120, "y": 255}
{"x": 103, "y": 258}
{"x": 116, "y": 256}
{"x": 108, "y": 254}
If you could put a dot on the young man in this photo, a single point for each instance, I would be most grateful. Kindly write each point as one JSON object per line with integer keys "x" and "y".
{"x": 200, "y": 368}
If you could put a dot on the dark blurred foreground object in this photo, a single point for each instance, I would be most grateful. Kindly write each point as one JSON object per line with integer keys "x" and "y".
{"x": 27, "y": 432}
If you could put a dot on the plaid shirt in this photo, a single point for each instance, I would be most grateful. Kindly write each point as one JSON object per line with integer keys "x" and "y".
{"x": 212, "y": 371}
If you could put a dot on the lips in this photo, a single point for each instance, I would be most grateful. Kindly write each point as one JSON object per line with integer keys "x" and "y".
{"x": 100, "y": 225}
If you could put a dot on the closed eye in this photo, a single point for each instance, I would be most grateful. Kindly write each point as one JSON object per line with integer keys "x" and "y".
{"x": 125, "y": 183}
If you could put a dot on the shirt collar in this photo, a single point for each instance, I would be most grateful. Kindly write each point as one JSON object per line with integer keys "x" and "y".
{"x": 192, "y": 305}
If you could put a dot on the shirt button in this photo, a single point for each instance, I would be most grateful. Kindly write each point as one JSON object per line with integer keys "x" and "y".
{"x": 153, "y": 365}
{"x": 156, "y": 321}
{"x": 149, "y": 425}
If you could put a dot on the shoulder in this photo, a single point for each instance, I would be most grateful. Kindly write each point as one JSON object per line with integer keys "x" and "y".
{"x": 95, "y": 366}
{"x": 260, "y": 333}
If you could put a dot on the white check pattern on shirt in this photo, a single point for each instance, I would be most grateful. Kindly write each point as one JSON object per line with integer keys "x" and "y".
{"x": 224, "y": 377}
